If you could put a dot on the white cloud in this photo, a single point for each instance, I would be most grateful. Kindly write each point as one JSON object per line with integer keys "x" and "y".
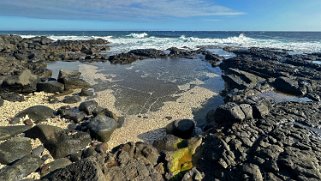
{"x": 113, "y": 9}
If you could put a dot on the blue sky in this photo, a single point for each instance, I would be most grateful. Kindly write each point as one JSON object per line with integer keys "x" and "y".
{"x": 198, "y": 15}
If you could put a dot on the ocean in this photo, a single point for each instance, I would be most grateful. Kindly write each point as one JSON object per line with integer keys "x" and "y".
{"x": 123, "y": 41}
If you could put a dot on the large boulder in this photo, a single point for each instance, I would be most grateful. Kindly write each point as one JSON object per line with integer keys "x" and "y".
{"x": 88, "y": 107}
{"x": 229, "y": 114}
{"x": 24, "y": 82}
{"x": 72, "y": 79}
{"x": 289, "y": 85}
{"x": 36, "y": 113}
{"x": 148, "y": 53}
{"x": 51, "y": 87}
{"x": 101, "y": 127}
{"x": 87, "y": 169}
{"x": 21, "y": 168}
{"x": 14, "y": 149}
{"x": 10, "y": 131}
{"x": 59, "y": 142}
{"x": 184, "y": 128}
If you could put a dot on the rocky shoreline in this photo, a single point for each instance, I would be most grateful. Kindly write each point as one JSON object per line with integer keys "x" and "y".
{"x": 249, "y": 137}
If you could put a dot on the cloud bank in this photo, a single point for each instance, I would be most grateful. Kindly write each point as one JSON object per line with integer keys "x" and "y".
{"x": 113, "y": 9}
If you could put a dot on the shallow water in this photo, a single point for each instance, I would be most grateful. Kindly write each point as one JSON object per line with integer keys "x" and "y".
{"x": 144, "y": 86}
{"x": 278, "y": 97}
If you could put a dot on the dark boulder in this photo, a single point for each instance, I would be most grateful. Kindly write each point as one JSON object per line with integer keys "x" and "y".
{"x": 72, "y": 79}
{"x": 59, "y": 142}
{"x": 10, "y": 131}
{"x": 229, "y": 114}
{"x": 55, "y": 165}
{"x": 148, "y": 53}
{"x": 45, "y": 133}
{"x": 14, "y": 149}
{"x": 123, "y": 58}
{"x": 184, "y": 128}
{"x": 289, "y": 85}
{"x": 71, "y": 99}
{"x": 36, "y": 113}
{"x": 65, "y": 144}
{"x": 50, "y": 87}
{"x": 87, "y": 92}
{"x": 12, "y": 96}
{"x": 21, "y": 168}
{"x": 87, "y": 169}
{"x": 71, "y": 113}
{"x": 24, "y": 82}
{"x": 101, "y": 127}
{"x": 88, "y": 107}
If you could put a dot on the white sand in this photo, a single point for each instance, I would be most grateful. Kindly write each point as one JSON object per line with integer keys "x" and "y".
{"x": 152, "y": 128}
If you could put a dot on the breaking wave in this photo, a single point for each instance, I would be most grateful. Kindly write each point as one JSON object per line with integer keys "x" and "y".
{"x": 143, "y": 40}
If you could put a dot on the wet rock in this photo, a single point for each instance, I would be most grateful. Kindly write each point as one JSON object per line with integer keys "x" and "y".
{"x": 71, "y": 99}
{"x": 20, "y": 169}
{"x": 101, "y": 127}
{"x": 148, "y": 53}
{"x": 10, "y": 131}
{"x": 240, "y": 79}
{"x": 55, "y": 165}
{"x": 24, "y": 82}
{"x": 36, "y": 113}
{"x": 87, "y": 92}
{"x": 1, "y": 102}
{"x": 88, "y": 107}
{"x": 14, "y": 149}
{"x": 228, "y": 114}
{"x": 184, "y": 128}
{"x": 123, "y": 58}
{"x": 50, "y": 87}
{"x": 87, "y": 169}
{"x": 288, "y": 85}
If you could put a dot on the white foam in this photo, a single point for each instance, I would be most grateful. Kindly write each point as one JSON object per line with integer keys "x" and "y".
{"x": 143, "y": 40}
{"x": 138, "y": 35}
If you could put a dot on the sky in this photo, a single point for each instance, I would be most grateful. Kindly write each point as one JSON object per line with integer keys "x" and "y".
{"x": 172, "y": 15}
